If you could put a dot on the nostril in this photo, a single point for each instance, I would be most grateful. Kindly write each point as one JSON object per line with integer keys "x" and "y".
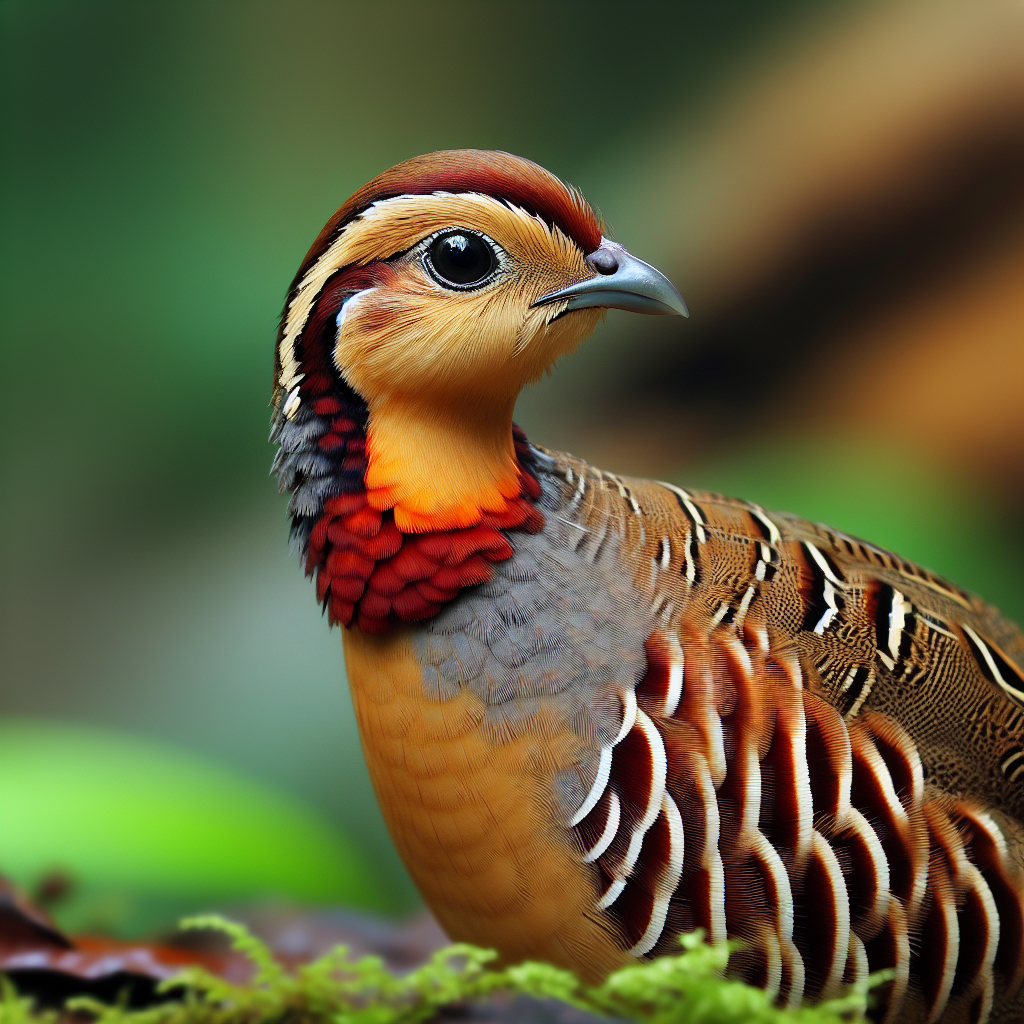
{"x": 603, "y": 261}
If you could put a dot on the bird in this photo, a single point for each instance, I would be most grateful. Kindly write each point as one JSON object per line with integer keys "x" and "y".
{"x": 602, "y": 712}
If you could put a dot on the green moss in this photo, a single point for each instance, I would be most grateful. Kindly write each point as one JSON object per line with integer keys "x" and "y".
{"x": 686, "y": 988}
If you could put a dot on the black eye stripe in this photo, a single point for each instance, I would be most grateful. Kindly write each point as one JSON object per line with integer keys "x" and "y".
{"x": 461, "y": 260}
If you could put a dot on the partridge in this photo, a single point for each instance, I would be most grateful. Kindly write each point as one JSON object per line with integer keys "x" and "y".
{"x": 600, "y": 712}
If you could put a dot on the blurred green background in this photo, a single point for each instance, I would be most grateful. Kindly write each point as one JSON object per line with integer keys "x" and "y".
{"x": 834, "y": 187}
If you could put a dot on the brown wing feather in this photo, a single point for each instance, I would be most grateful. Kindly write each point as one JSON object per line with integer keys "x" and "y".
{"x": 841, "y": 717}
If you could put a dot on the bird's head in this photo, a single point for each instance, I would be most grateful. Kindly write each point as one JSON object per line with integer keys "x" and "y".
{"x": 436, "y": 293}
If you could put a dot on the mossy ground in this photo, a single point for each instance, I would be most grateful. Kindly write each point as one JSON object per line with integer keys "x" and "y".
{"x": 685, "y": 988}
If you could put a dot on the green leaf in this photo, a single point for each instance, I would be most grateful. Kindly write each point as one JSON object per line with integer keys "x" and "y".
{"x": 132, "y": 820}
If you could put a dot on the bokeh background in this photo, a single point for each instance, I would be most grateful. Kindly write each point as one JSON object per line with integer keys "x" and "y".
{"x": 837, "y": 188}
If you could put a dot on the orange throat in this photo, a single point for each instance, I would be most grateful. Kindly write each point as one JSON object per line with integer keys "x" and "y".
{"x": 440, "y": 468}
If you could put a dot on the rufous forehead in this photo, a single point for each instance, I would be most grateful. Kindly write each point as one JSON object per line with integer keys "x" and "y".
{"x": 395, "y": 225}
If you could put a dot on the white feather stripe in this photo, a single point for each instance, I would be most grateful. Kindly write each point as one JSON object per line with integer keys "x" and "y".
{"x": 659, "y": 769}
{"x": 991, "y": 854}
{"x": 291, "y": 403}
{"x": 762, "y": 517}
{"x": 611, "y": 826}
{"x": 676, "y": 664}
{"x": 611, "y": 894}
{"x": 794, "y": 974}
{"x": 636, "y": 842}
{"x": 826, "y": 858}
{"x": 897, "y": 925}
{"x": 761, "y": 635}
{"x": 659, "y": 774}
{"x": 986, "y": 823}
{"x": 700, "y": 709}
{"x": 897, "y": 620}
{"x": 1012, "y": 691}
{"x": 976, "y": 885}
{"x": 942, "y": 921}
{"x": 791, "y": 732}
{"x": 667, "y": 880}
{"x": 656, "y": 795}
{"x": 674, "y": 868}
{"x": 778, "y": 877}
{"x": 691, "y": 565}
{"x": 577, "y": 494}
{"x": 899, "y": 745}
{"x": 711, "y": 859}
{"x": 872, "y": 759}
{"x": 723, "y": 610}
{"x": 717, "y": 923}
{"x": 831, "y": 608}
{"x": 751, "y": 812}
{"x": 741, "y": 612}
{"x": 740, "y": 657}
{"x": 771, "y": 946}
{"x": 691, "y": 510}
{"x": 858, "y": 830}
{"x": 604, "y": 768}
{"x": 822, "y": 564}
{"x": 629, "y": 710}
{"x": 857, "y": 969}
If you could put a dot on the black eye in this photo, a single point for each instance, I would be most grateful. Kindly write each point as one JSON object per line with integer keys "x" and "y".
{"x": 460, "y": 260}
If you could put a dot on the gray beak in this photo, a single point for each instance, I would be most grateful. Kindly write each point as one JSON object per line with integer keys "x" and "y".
{"x": 621, "y": 282}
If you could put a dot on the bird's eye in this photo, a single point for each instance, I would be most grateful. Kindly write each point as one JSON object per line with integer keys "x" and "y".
{"x": 460, "y": 260}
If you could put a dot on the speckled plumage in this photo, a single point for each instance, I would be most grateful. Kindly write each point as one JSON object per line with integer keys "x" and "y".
{"x": 562, "y": 633}
{"x": 600, "y": 712}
